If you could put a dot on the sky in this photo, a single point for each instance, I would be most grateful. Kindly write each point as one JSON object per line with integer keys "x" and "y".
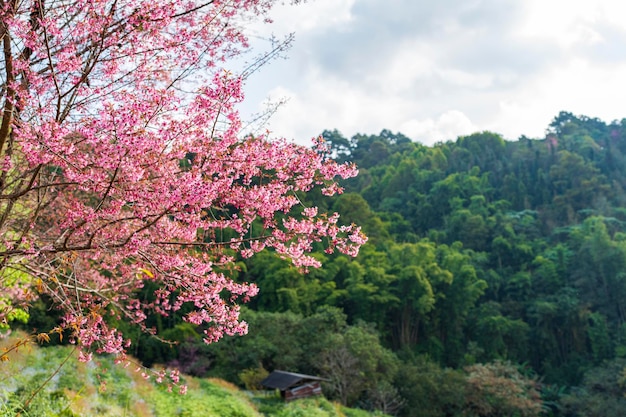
{"x": 438, "y": 69}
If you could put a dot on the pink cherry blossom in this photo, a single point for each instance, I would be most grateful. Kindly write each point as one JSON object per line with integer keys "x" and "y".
{"x": 123, "y": 163}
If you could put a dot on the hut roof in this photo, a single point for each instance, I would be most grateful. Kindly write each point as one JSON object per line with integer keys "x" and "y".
{"x": 283, "y": 380}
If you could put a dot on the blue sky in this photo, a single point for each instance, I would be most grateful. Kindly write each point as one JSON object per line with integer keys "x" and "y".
{"x": 435, "y": 70}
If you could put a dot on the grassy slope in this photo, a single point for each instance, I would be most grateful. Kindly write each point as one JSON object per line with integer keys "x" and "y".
{"x": 76, "y": 390}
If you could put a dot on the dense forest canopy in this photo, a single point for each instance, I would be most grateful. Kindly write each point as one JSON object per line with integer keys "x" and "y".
{"x": 493, "y": 282}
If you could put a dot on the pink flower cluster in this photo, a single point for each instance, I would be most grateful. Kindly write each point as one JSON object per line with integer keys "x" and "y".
{"x": 123, "y": 163}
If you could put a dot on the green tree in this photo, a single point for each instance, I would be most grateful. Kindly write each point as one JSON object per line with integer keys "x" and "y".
{"x": 430, "y": 390}
{"x": 417, "y": 273}
{"x": 356, "y": 362}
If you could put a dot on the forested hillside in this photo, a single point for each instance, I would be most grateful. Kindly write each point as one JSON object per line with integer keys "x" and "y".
{"x": 493, "y": 282}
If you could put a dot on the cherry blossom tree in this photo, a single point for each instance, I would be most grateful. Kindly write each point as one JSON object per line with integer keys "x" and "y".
{"x": 122, "y": 161}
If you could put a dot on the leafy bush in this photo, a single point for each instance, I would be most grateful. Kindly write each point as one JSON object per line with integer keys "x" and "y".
{"x": 498, "y": 389}
{"x": 434, "y": 391}
{"x": 252, "y": 377}
{"x": 602, "y": 393}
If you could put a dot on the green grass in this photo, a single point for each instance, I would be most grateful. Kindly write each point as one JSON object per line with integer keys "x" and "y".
{"x": 311, "y": 407}
{"x": 204, "y": 399}
{"x": 53, "y": 385}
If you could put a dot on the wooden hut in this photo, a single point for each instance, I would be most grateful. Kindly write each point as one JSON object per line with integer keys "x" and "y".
{"x": 293, "y": 386}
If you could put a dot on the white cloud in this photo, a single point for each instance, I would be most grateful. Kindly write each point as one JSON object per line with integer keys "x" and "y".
{"x": 579, "y": 86}
{"x": 448, "y": 126}
{"x": 435, "y": 70}
{"x": 570, "y": 22}
{"x": 467, "y": 79}
{"x": 316, "y": 15}
{"x": 412, "y": 60}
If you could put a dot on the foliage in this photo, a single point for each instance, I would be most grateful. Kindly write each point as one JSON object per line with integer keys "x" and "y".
{"x": 355, "y": 363}
{"x": 498, "y": 389}
{"x": 533, "y": 231}
{"x": 252, "y": 377}
{"x": 601, "y": 393}
{"x": 425, "y": 386}
{"x": 275, "y": 342}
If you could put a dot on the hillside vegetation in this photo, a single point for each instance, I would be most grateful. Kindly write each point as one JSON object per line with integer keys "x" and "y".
{"x": 51, "y": 381}
{"x": 493, "y": 282}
